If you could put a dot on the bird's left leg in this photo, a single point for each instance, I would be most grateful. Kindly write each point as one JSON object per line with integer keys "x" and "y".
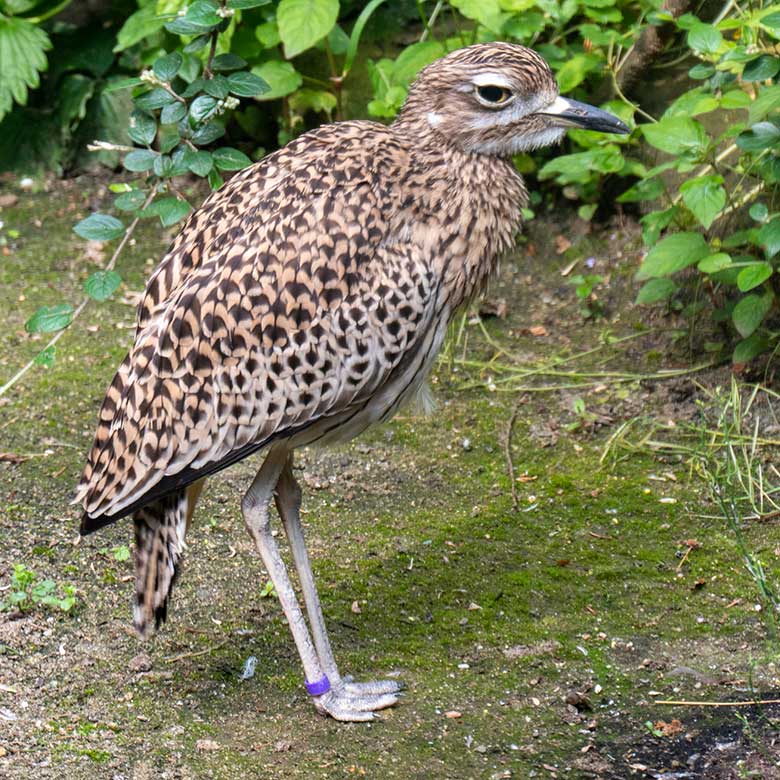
{"x": 350, "y": 695}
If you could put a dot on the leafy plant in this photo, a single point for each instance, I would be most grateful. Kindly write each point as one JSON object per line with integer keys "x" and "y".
{"x": 23, "y": 47}
{"x": 590, "y": 305}
{"x": 27, "y": 591}
{"x": 723, "y": 170}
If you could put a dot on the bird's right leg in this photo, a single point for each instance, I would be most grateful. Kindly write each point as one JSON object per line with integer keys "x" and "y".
{"x": 255, "y": 508}
{"x": 345, "y": 695}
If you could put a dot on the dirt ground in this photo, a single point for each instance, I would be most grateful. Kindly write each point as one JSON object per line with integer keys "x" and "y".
{"x": 538, "y": 634}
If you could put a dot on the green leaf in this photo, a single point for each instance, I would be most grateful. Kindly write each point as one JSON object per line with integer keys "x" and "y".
{"x": 762, "y": 135}
{"x": 576, "y": 69}
{"x": 245, "y": 84}
{"x": 99, "y": 227}
{"x": 705, "y": 197}
{"x": 705, "y": 38}
{"x": 172, "y": 113}
{"x": 413, "y": 59}
{"x": 714, "y": 263}
{"x": 197, "y": 43}
{"x": 692, "y": 103}
{"x": 656, "y": 290}
{"x": 702, "y": 70}
{"x": 281, "y": 77}
{"x": 769, "y": 237}
{"x": 240, "y": 5}
{"x": 202, "y": 107}
{"x": 268, "y": 34}
{"x": 215, "y": 180}
{"x": 156, "y": 98}
{"x": 753, "y": 275}
{"x": 759, "y": 212}
{"x": 304, "y": 22}
{"x": 203, "y": 13}
{"x": 163, "y": 166}
{"x": 139, "y": 160}
{"x": 735, "y": 98}
{"x": 130, "y": 201}
{"x": 142, "y": 128}
{"x": 101, "y": 285}
{"x": 166, "y": 68}
{"x": 118, "y": 84}
{"x": 761, "y": 68}
{"x": 23, "y": 49}
{"x": 208, "y": 133}
{"x": 487, "y": 12}
{"x": 218, "y": 87}
{"x": 672, "y": 254}
{"x": 656, "y": 221}
{"x": 226, "y": 62}
{"x": 46, "y": 356}
{"x": 749, "y": 313}
{"x": 579, "y": 167}
{"x": 750, "y": 347}
{"x": 676, "y": 135}
{"x": 50, "y": 318}
{"x": 303, "y": 100}
{"x": 200, "y": 163}
{"x": 644, "y": 189}
{"x": 768, "y": 99}
{"x": 169, "y": 210}
{"x": 228, "y": 159}
{"x": 138, "y": 26}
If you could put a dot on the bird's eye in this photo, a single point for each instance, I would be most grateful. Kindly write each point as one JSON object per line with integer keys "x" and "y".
{"x": 493, "y": 94}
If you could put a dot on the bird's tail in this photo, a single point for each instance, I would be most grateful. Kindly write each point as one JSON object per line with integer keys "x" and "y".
{"x": 160, "y": 528}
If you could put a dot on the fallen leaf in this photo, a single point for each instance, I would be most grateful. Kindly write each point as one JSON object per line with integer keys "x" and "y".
{"x": 561, "y": 244}
{"x": 668, "y": 729}
{"x": 12, "y": 457}
{"x": 206, "y": 744}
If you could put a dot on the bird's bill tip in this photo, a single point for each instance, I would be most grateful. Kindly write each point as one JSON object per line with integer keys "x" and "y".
{"x": 571, "y": 113}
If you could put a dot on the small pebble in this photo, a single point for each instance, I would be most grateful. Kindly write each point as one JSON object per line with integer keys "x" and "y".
{"x": 141, "y": 663}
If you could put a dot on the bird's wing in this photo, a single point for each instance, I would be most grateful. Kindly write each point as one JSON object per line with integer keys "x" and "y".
{"x": 303, "y": 310}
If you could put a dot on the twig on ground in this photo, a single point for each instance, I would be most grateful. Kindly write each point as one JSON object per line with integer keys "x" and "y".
{"x": 194, "y": 654}
{"x": 749, "y": 703}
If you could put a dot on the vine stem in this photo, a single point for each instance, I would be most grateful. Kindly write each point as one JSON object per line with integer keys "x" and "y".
{"x": 80, "y": 308}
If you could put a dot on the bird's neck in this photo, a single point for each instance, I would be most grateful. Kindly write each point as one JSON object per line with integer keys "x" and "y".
{"x": 466, "y": 212}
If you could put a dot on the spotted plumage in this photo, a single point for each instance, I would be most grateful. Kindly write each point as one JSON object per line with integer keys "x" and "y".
{"x": 306, "y": 300}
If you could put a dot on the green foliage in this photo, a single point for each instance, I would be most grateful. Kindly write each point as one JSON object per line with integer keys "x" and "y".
{"x": 28, "y": 591}
{"x": 732, "y": 170}
{"x": 23, "y": 48}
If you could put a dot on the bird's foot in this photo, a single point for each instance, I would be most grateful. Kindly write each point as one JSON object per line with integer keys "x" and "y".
{"x": 356, "y": 701}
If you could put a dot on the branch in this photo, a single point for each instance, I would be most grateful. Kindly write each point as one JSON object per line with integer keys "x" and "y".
{"x": 57, "y": 336}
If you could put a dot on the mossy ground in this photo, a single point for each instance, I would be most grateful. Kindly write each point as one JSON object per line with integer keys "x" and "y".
{"x": 425, "y": 567}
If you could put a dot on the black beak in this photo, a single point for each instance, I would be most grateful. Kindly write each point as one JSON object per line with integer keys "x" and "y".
{"x": 571, "y": 113}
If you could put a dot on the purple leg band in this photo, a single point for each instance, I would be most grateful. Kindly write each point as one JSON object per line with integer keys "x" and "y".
{"x": 319, "y": 687}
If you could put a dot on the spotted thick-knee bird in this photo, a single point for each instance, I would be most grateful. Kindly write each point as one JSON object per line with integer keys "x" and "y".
{"x": 306, "y": 300}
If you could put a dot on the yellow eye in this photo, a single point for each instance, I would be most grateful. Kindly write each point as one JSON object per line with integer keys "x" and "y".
{"x": 493, "y": 94}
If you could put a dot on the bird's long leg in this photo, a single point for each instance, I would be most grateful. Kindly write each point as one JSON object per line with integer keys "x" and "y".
{"x": 255, "y": 508}
{"x": 363, "y": 696}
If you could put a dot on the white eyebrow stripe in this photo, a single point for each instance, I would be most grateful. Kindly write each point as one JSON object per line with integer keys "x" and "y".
{"x": 492, "y": 79}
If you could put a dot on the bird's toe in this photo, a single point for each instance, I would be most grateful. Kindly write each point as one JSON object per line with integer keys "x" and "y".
{"x": 372, "y": 687}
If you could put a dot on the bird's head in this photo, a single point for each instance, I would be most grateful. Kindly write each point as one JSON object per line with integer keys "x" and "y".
{"x": 498, "y": 99}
